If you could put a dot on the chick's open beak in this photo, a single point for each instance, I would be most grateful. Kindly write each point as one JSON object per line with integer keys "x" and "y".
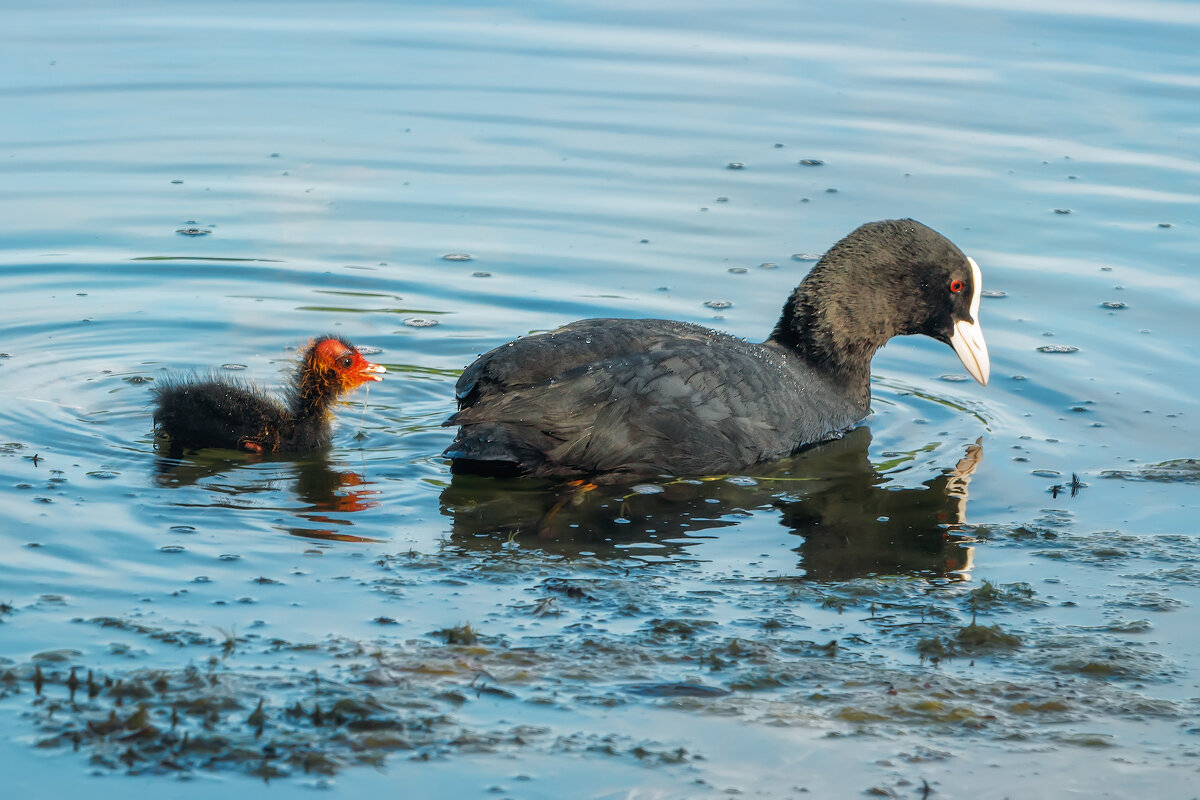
{"x": 371, "y": 372}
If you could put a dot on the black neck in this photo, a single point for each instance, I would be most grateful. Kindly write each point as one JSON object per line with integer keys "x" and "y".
{"x": 824, "y": 330}
{"x": 313, "y": 393}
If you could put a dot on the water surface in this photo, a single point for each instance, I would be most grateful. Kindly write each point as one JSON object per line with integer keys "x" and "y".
{"x": 902, "y": 606}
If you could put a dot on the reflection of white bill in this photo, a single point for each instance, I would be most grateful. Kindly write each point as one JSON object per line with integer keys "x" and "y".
{"x": 957, "y": 484}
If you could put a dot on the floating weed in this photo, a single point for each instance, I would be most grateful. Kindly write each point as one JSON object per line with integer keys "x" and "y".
{"x": 1086, "y": 657}
{"x": 176, "y": 637}
{"x": 1185, "y": 470}
{"x": 459, "y": 634}
{"x": 984, "y": 636}
{"x": 396, "y": 694}
{"x": 683, "y": 628}
{"x": 229, "y": 642}
{"x": 991, "y": 595}
{"x": 1048, "y": 707}
{"x": 1086, "y": 739}
{"x": 1149, "y": 601}
{"x": 837, "y": 603}
{"x": 933, "y": 648}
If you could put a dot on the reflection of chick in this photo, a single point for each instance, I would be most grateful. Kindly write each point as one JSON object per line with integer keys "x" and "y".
{"x": 328, "y": 490}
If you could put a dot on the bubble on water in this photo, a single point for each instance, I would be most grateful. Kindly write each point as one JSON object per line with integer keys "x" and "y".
{"x": 137, "y": 379}
{"x": 172, "y": 548}
{"x": 1057, "y": 348}
{"x": 481, "y": 274}
{"x": 181, "y": 529}
{"x": 738, "y": 270}
{"x": 369, "y": 350}
{"x": 228, "y": 557}
{"x": 741, "y": 480}
{"x": 1046, "y": 473}
{"x": 233, "y": 366}
{"x": 193, "y": 232}
{"x": 735, "y": 165}
{"x": 1062, "y": 211}
{"x": 811, "y": 162}
{"x": 768, "y": 265}
{"x": 1164, "y": 225}
{"x": 722, "y": 199}
{"x": 805, "y": 257}
{"x": 456, "y": 256}
{"x": 718, "y": 303}
{"x": 1114, "y": 304}
{"x": 177, "y": 181}
{"x": 104, "y": 474}
{"x": 648, "y": 488}
{"x": 420, "y": 322}
{"x": 993, "y": 293}
{"x": 954, "y": 378}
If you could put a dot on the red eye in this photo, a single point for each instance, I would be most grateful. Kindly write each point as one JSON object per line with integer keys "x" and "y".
{"x": 956, "y": 285}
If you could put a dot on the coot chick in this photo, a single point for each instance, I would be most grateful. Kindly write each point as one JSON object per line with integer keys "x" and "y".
{"x": 215, "y": 412}
{"x": 648, "y": 396}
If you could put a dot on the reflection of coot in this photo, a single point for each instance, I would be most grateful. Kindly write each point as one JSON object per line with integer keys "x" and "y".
{"x": 857, "y": 526}
{"x": 830, "y": 494}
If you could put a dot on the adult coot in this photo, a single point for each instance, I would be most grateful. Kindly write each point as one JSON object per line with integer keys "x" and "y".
{"x": 656, "y": 396}
{"x": 215, "y": 412}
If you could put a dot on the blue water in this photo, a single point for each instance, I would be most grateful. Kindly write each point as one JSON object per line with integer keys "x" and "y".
{"x": 581, "y": 156}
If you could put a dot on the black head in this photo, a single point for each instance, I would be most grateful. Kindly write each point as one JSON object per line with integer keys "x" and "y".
{"x": 885, "y": 279}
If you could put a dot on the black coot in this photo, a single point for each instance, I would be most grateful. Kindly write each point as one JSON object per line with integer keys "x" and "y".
{"x": 653, "y": 396}
{"x": 215, "y": 412}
